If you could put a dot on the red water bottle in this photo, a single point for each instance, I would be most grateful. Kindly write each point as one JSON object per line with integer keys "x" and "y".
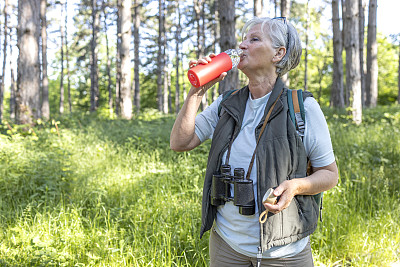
{"x": 204, "y": 73}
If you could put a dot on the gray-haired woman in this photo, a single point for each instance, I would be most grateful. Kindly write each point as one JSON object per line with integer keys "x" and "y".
{"x": 271, "y": 47}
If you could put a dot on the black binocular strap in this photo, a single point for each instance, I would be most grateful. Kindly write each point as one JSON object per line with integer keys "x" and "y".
{"x": 259, "y": 136}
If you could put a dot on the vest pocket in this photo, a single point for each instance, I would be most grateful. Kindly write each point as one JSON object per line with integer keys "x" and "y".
{"x": 301, "y": 214}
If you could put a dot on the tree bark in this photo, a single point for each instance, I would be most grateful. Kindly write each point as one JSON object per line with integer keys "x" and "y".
{"x": 353, "y": 76}
{"x": 306, "y": 48}
{"x": 177, "y": 52}
{"x": 67, "y": 60}
{"x": 258, "y": 8}
{"x": 285, "y": 12}
{"x": 337, "y": 96}
{"x": 345, "y": 34}
{"x": 62, "y": 26}
{"x": 136, "y": 36}
{"x": 169, "y": 99}
{"x": 361, "y": 7}
{"x": 165, "y": 89}
{"x": 398, "y": 79}
{"x": 108, "y": 66}
{"x": 13, "y": 83}
{"x": 226, "y": 10}
{"x": 160, "y": 56}
{"x": 3, "y": 70}
{"x": 215, "y": 33}
{"x": 94, "y": 75}
{"x": 28, "y": 91}
{"x": 372, "y": 58}
{"x": 118, "y": 62}
{"x": 199, "y": 16}
{"x": 126, "y": 34}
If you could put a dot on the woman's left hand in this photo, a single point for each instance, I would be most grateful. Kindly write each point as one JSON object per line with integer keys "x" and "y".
{"x": 285, "y": 191}
{"x": 322, "y": 179}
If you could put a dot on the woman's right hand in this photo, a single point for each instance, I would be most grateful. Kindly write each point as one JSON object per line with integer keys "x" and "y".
{"x": 205, "y": 60}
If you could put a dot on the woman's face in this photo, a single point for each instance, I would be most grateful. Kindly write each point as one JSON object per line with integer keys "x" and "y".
{"x": 258, "y": 53}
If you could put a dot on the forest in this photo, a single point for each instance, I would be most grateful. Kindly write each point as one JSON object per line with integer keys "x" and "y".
{"x": 89, "y": 91}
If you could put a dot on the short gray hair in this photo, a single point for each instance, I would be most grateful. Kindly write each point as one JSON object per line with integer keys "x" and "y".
{"x": 281, "y": 33}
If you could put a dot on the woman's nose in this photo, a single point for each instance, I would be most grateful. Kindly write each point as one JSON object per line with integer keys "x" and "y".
{"x": 242, "y": 45}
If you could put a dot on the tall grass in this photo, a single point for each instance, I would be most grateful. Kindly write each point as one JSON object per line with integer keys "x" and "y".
{"x": 98, "y": 192}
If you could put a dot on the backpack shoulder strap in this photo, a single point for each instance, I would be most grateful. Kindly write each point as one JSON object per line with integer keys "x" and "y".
{"x": 296, "y": 109}
{"x": 225, "y": 96}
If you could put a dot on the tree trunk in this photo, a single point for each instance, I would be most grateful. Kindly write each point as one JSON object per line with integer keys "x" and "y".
{"x": 3, "y": 70}
{"x": 285, "y": 12}
{"x": 28, "y": 91}
{"x": 166, "y": 94}
{"x": 337, "y": 96}
{"x": 353, "y": 76}
{"x": 118, "y": 62}
{"x": 94, "y": 72}
{"x": 108, "y": 68}
{"x": 177, "y": 52}
{"x": 258, "y": 8}
{"x": 136, "y": 35}
{"x": 361, "y": 7}
{"x": 169, "y": 99}
{"x": 226, "y": 10}
{"x": 214, "y": 90}
{"x": 184, "y": 77}
{"x": 306, "y": 48}
{"x": 67, "y": 60}
{"x": 160, "y": 56}
{"x": 345, "y": 35}
{"x": 199, "y": 16}
{"x": 13, "y": 84}
{"x": 126, "y": 34}
{"x": 372, "y": 57}
{"x": 61, "y": 106}
{"x": 398, "y": 79}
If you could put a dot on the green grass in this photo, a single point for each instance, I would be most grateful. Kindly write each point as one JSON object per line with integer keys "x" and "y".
{"x": 100, "y": 192}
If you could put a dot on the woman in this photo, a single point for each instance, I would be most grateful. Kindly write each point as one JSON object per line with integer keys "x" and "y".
{"x": 271, "y": 47}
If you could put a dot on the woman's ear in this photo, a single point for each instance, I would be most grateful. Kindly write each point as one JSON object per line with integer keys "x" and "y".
{"x": 280, "y": 53}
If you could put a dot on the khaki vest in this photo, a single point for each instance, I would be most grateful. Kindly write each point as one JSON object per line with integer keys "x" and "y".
{"x": 280, "y": 156}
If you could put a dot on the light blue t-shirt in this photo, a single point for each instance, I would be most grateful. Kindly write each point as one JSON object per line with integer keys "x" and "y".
{"x": 241, "y": 232}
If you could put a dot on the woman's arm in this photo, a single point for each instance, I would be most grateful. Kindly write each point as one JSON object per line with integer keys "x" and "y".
{"x": 183, "y": 135}
{"x": 323, "y": 179}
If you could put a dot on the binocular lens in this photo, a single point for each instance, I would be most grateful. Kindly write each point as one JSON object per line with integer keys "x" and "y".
{"x": 244, "y": 196}
{"x": 218, "y": 190}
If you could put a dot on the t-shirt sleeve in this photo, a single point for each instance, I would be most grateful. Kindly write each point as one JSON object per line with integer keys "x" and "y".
{"x": 207, "y": 120}
{"x": 317, "y": 140}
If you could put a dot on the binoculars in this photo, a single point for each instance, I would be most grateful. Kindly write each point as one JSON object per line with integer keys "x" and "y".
{"x": 243, "y": 196}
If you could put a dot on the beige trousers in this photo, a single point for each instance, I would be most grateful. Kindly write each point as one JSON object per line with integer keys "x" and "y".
{"x": 222, "y": 255}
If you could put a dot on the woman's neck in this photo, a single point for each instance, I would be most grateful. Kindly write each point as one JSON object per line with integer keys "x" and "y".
{"x": 260, "y": 86}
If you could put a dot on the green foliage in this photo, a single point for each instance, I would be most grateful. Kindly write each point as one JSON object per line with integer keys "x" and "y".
{"x": 388, "y": 64}
{"x": 319, "y": 58}
{"x": 361, "y": 212}
{"x": 89, "y": 191}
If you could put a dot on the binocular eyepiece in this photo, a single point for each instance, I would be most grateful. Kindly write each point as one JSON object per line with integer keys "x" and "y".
{"x": 243, "y": 196}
